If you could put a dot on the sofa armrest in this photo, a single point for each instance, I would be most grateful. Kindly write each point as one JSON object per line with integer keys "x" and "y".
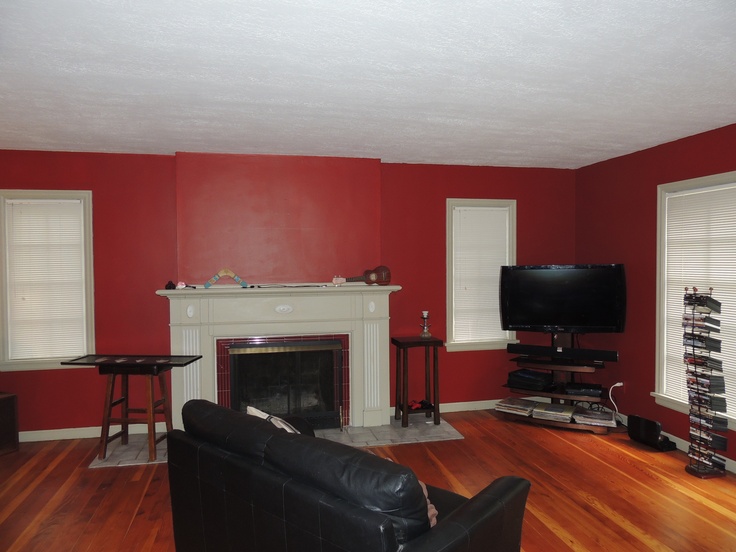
{"x": 490, "y": 521}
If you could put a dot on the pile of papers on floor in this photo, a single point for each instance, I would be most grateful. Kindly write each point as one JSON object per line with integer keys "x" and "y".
{"x": 553, "y": 412}
{"x": 513, "y": 405}
{"x": 594, "y": 417}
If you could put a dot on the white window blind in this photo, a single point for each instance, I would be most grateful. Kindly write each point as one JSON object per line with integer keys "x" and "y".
{"x": 481, "y": 239}
{"x": 697, "y": 249}
{"x": 46, "y": 278}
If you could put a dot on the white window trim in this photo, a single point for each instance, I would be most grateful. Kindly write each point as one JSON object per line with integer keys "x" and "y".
{"x": 660, "y": 354}
{"x": 85, "y": 196}
{"x": 452, "y": 203}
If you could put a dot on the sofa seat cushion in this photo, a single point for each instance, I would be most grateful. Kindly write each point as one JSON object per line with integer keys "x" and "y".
{"x": 356, "y": 476}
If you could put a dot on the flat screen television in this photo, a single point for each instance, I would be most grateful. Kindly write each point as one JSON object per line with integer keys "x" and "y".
{"x": 583, "y": 298}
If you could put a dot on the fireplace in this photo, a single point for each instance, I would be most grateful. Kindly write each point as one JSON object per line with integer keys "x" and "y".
{"x": 306, "y": 376}
{"x": 357, "y": 314}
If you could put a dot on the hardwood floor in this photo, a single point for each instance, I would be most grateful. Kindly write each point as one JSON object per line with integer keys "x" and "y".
{"x": 589, "y": 492}
{"x": 50, "y": 500}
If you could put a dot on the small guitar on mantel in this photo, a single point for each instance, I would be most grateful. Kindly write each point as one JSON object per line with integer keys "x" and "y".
{"x": 380, "y": 275}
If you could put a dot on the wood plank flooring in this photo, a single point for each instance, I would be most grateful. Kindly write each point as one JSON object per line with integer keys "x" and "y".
{"x": 589, "y": 492}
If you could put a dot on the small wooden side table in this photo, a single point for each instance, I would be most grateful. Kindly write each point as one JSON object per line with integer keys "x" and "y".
{"x": 153, "y": 368}
{"x": 403, "y": 344}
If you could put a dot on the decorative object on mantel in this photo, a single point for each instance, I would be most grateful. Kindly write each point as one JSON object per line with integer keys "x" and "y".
{"x": 180, "y": 285}
{"x": 226, "y": 272}
{"x": 381, "y": 275}
{"x": 425, "y": 325}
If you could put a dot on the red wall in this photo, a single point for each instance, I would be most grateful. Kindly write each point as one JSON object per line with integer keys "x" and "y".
{"x": 617, "y": 222}
{"x": 286, "y": 219}
{"x": 134, "y": 210}
{"x": 277, "y": 218}
{"x": 413, "y": 203}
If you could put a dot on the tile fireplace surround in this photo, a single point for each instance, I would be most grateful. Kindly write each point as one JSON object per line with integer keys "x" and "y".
{"x": 202, "y": 316}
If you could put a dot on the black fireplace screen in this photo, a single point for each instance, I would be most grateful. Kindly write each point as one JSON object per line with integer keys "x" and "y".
{"x": 300, "y": 378}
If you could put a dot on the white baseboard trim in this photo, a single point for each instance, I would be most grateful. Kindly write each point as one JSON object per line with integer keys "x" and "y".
{"x": 465, "y": 406}
{"x": 79, "y": 433}
{"x": 94, "y": 432}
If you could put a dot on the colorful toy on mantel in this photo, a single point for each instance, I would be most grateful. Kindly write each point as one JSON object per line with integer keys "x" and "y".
{"x": 226, "y": 272}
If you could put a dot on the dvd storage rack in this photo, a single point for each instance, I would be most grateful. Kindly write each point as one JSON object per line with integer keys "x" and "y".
{"x": 705, "y": 384}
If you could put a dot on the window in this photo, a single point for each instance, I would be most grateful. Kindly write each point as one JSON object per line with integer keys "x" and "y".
{"x": 46, "y": 279}
{"x": 696, "y": 248}
{"x": 481, "y": 237}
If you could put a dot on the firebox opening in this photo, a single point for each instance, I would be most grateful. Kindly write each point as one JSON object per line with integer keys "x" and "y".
{"x": 296, "y": 378}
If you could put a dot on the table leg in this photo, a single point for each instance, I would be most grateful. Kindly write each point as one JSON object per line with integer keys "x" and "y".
{"x": 436, "y": 387}
{"x": 151, "y": 419}
{"x": 398, "y": 385}
{"x": 166, "y": 401}
{"x": 405, "y": 390}
{"x": 110, "y": 390}
{"x": 427, "y": 388}
{"x": 124, "y": 414}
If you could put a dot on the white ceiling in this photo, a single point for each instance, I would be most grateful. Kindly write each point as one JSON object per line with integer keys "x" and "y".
{"x": 536, "y": 83}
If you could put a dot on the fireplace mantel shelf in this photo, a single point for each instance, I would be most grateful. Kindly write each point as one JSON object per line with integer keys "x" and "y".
{"x": 200, "y": 316}
{"x": 277, "y": 289}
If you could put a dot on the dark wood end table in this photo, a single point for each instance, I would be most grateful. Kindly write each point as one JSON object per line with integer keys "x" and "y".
{"x": 431, "y": 378}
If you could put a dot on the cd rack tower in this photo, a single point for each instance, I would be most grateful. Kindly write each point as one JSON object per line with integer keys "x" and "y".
{"x": 705, "y": 384}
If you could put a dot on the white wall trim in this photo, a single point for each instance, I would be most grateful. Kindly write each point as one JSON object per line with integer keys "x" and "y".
{"x": 465, "y": 406}
{"x": 94, "y": 432}
{"x": 81, "y": 433}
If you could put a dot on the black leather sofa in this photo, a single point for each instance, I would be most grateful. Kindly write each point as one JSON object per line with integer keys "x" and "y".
{"x": 239, "y": 483}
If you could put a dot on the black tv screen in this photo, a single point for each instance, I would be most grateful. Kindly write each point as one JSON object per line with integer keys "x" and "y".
{"x": 563, "y": 298}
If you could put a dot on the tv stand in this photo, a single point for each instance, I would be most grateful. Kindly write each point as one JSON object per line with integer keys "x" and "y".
{"x": 563, "y": 371}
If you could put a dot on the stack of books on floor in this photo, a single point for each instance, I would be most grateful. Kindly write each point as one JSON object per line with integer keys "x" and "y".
{"x": 553, "y": 412}
{"x": 594, "y": 417}
{"x": 512, "y": 405}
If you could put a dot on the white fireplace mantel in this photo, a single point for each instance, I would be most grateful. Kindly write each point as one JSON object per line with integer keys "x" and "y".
{"x": 201, "y": 316}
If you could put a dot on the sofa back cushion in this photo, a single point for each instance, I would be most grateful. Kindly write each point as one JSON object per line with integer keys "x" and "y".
{"x": 227, "y": 428}
{"x": 346, "y": 472}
